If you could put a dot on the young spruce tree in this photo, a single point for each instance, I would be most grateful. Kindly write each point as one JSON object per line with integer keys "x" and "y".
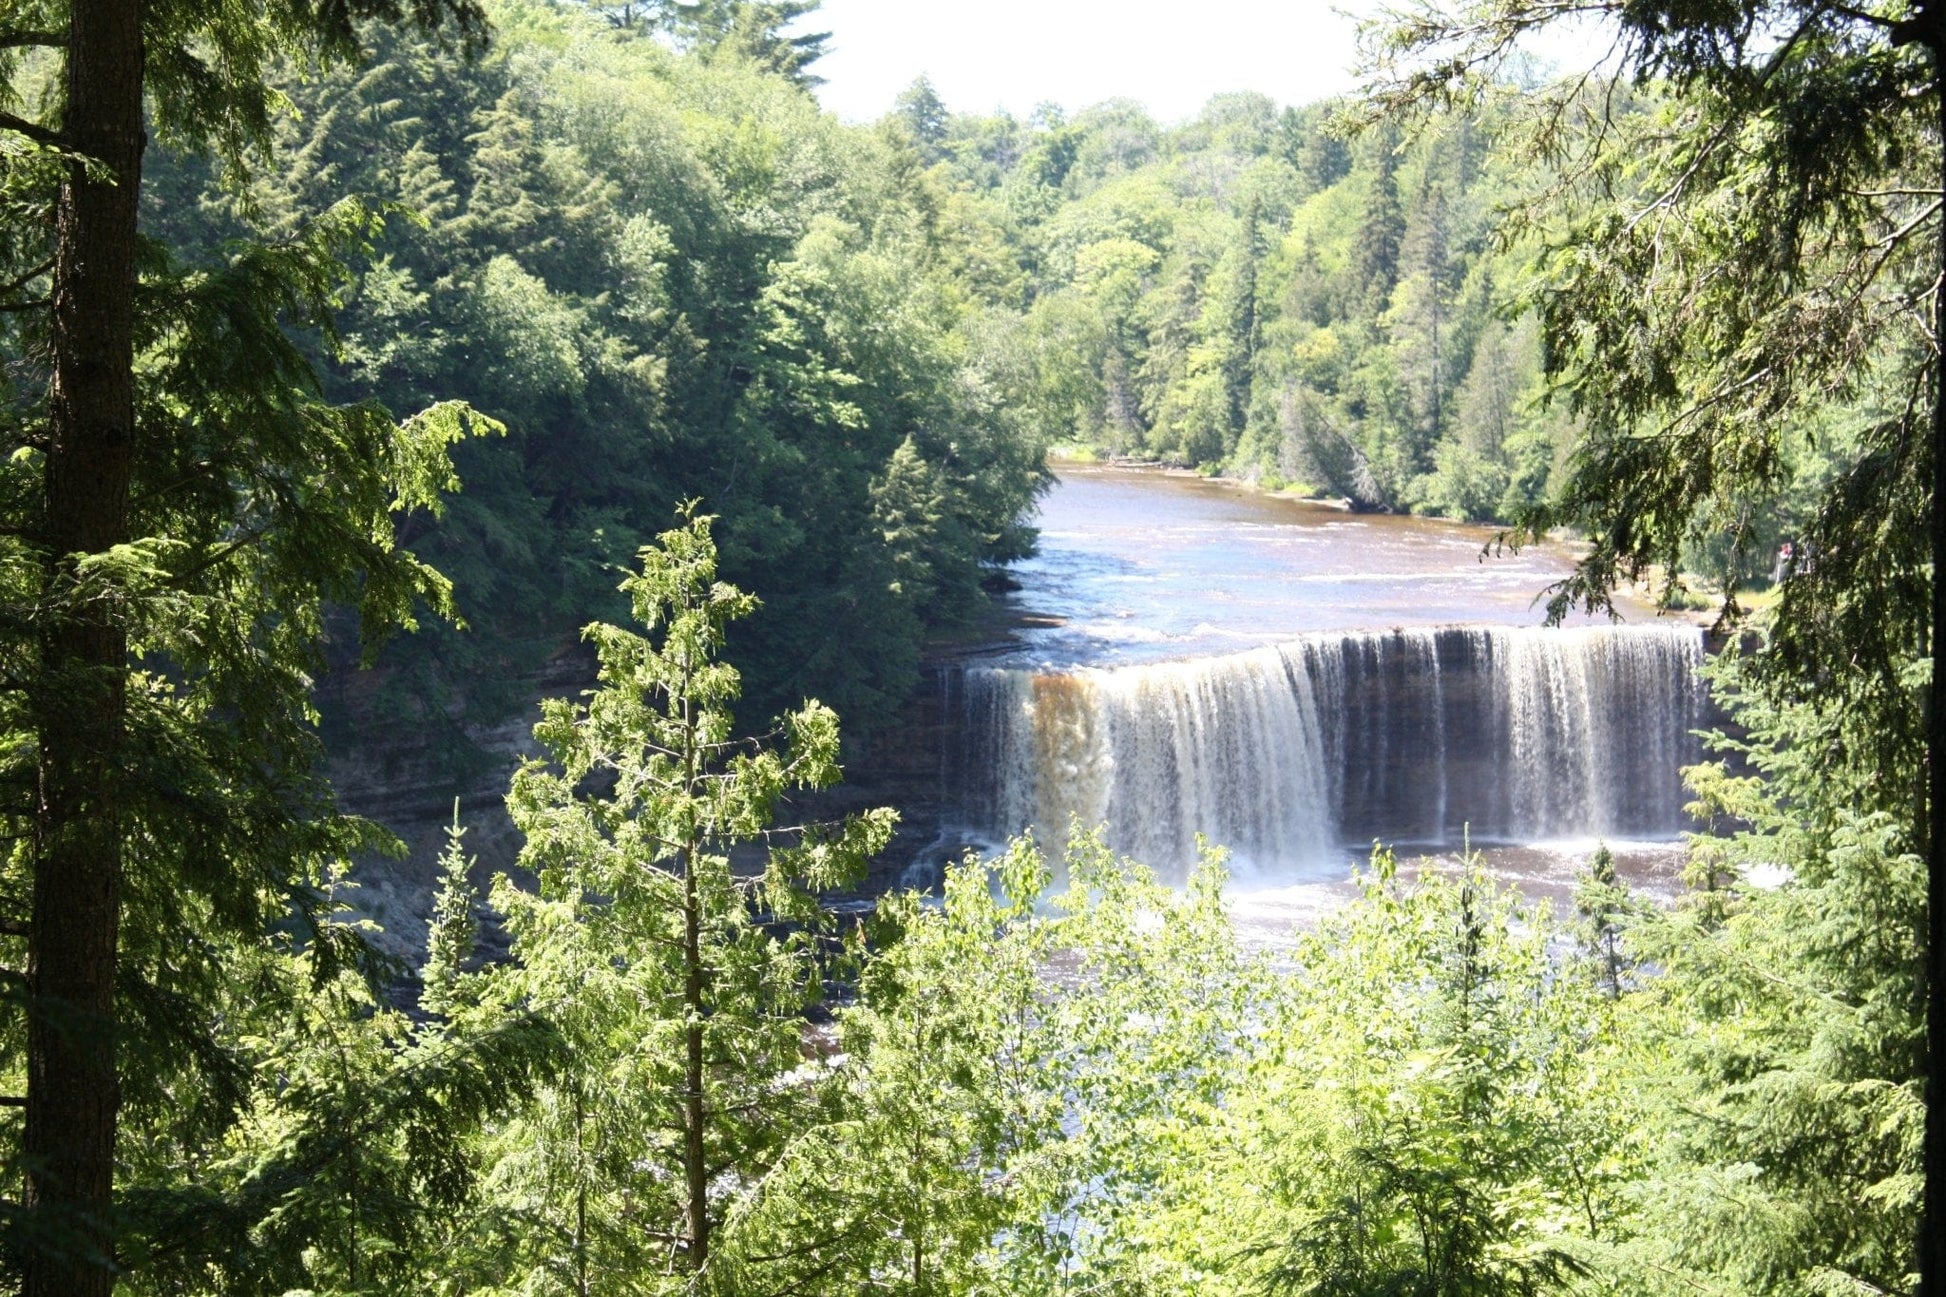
{"x": 681, "y": 977}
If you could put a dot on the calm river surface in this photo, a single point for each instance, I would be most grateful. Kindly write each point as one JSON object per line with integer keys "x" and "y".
{"x": 1138, "y": 566}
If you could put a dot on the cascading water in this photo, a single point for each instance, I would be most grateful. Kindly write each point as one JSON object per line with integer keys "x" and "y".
{"x": 1284, "y": 753}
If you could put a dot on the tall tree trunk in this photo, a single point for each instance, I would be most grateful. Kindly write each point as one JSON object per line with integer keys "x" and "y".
{"x": 71, "y": 1085}
{"x": 1932, "y": 1216}
{"x": 580, "y": 1188}
{"x": 1932, "y": 1224}
{"x": 694, "y": 1113}
{"x": 694, "y": 1150}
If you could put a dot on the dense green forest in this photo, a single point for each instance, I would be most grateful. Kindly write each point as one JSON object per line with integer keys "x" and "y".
{"x": 670, "y": 278}
{"x": 502, "y": 320}
{"x": 1253, "y": 292}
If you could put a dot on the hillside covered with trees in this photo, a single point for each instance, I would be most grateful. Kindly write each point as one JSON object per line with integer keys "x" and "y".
{"x": 531, "y": 324}
{"x": 1253, "y": 291}
{"x": 669, "y": 277}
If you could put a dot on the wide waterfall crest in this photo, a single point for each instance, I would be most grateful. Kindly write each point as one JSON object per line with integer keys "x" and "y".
{"x": 1284, "y": 753}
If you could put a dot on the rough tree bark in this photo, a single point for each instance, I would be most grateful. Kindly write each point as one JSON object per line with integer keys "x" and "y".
{"x": 72, "y": 1095}
{"x": 1932, "y": 1219}
{"x": 1927, "y": 27}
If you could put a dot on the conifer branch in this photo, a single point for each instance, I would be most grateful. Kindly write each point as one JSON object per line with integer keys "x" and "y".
{"x": 26, "y": 277}
{"x": 1858, "y": 15}
{"x": 1898, "y": 236}
{"x": 32, "y": 130}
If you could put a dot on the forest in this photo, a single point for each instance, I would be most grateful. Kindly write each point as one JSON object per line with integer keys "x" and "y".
{"x": 390, "y": 351}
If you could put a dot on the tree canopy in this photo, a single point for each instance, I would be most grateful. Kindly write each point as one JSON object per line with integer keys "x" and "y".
{"x": 670, "y": 277}
{"x": 1742, "y": 293}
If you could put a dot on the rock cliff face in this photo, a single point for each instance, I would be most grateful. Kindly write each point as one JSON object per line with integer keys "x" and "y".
{"x": 394, "y": 771}
{"x": 393, "y": 768}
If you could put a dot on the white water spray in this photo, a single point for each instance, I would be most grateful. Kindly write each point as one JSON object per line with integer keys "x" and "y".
{"x": 1285, "y": 753}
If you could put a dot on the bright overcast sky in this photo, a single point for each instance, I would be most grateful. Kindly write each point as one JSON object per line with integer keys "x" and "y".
{"x": 986, "y": 54}
{"x": 1013, "y": 54}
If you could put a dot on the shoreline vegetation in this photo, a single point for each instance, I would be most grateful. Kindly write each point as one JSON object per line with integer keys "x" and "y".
{"x": 1265, "y": 483}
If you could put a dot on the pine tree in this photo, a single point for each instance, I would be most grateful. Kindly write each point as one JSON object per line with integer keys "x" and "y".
{"x": 681, "y": 979}
{"x": 1243, "y": 327}
{"x": 1602, "y": 904}
{"x": 501, "y": 201}
{"x": 920, "y": 111}
{"x": 1417, "y": 321}
{"x": 116, "y": 572}
{"x": 1381, "y": 230}
{"x": 455, "y": 927}
{"x": 1324, "y": 158}
{"x": 755, "y": 30}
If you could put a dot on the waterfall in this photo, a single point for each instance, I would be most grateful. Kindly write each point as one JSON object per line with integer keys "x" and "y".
{"x": 1285, "y": 753}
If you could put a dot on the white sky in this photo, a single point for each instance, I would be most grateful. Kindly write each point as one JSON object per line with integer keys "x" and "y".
{"x": 1014, "y": 54}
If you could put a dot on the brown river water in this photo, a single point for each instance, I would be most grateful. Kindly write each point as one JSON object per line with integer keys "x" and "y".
{"x": 1143, "y": 564}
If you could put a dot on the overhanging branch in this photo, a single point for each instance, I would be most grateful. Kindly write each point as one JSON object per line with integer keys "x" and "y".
{"x": 32, "y": 130}
{"x": 1927, "y": 27}
{"x": 25, "y": 278}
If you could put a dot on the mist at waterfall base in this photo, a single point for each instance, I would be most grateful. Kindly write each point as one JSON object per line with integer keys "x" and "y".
{"x": 1294, "y": 682}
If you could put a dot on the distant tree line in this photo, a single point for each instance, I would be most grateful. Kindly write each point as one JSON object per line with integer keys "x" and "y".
{"x": 1311, "y": 300}
{"x": 1258, "y": 291}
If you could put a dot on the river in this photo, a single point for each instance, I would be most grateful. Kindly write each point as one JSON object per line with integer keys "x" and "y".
{"x": 1295, "y": 682}
{"x": 1140, "y": 565}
